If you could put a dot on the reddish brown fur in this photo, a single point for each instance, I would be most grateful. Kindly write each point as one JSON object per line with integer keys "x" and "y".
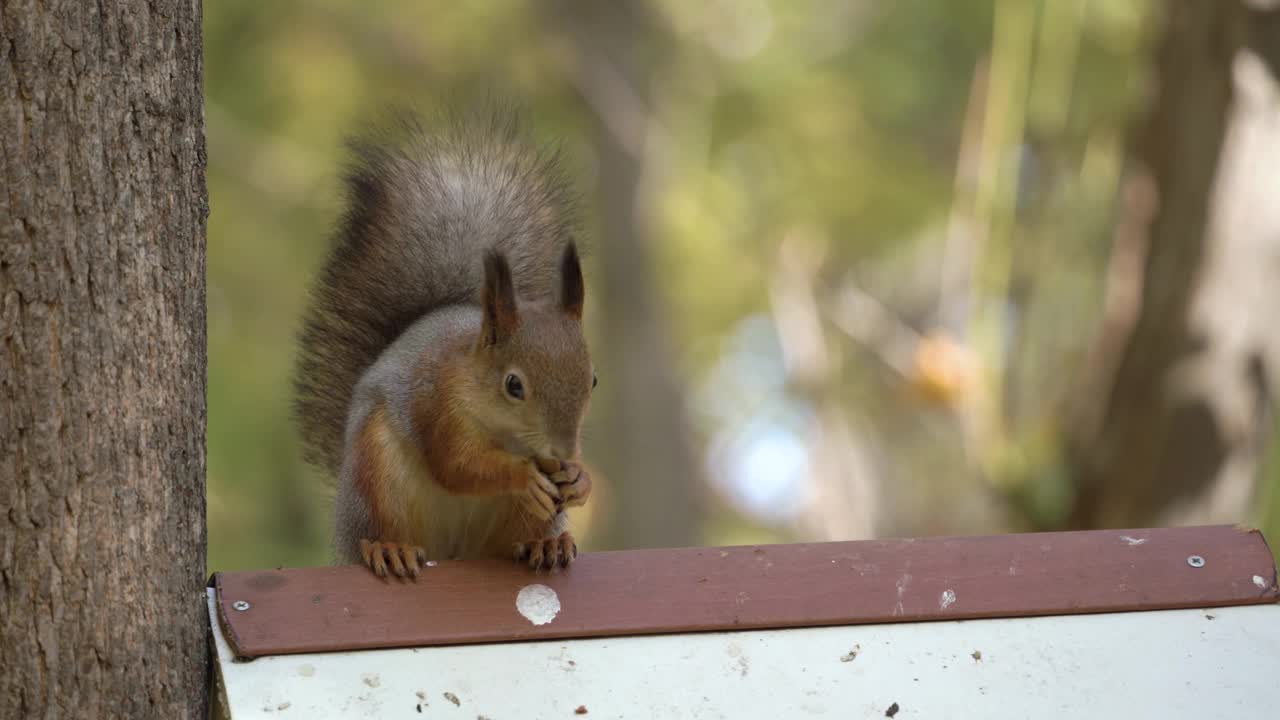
{"x": 473, "y": 466}
{"x": 501, "y": 318}
{"x": 390, "y": 519}
{"x": 368, "y": 479}
{"x": 396, "y": 518}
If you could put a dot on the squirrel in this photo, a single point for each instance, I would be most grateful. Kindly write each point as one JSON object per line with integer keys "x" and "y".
{"x": 443, "y": 374}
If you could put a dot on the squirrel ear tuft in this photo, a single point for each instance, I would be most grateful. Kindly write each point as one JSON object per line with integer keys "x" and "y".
{"x": 572, "y": 290}
{"x": 500, "y": 315}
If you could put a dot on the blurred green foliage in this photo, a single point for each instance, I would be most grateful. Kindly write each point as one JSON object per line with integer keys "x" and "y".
{"x": 839, "y": 123}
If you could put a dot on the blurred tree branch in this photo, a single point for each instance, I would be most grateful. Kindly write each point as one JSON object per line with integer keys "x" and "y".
{"x": 843, "y": 502}
{"x": 1264, "y": 32}
{"x": 1170, "y": 416}
{"x": 654, "y": 492}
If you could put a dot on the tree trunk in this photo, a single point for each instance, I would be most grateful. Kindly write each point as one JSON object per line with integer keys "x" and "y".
{"x": 651, "y": 491}
{"x": 1171, "y": 421}
{"x": 102, "y": 360}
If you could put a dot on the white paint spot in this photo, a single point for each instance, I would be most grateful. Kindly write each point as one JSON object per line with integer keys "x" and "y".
{"x": 902, "y": 590}
{"x": 1257, "y": 580}
{"x": 735, "y": 651}
{"x": 432, "y": 563}
{"x": 947, "y": 598}
{"x": 538, "y": 604}
{"x": 1133, "y": 540}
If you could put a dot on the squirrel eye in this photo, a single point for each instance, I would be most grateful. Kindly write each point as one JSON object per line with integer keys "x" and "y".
{"x": 594, "y": 380}
{"x": 514, "y": 387}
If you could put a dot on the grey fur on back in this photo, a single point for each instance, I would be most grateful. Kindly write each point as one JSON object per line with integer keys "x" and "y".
{"x": 423, "y": 207}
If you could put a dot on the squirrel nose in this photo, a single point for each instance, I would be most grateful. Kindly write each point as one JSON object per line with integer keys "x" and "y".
{"x": 563, "y": 450}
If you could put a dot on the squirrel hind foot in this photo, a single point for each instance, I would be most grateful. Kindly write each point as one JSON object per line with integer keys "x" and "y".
{"x": 547, "y": 553}
{"x": 403, "y": 561}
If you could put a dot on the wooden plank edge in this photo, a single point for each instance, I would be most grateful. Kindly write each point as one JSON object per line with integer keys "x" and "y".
{"x": 1274, "y": 587}
{"x": 1267, "y": 593}
{"x": 223, "y": 625}
{"x": 218, "y": 707}
{"x": 553, "y": 635}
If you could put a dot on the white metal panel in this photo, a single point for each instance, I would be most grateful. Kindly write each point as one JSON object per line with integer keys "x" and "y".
{"x": 1218, "y": 663}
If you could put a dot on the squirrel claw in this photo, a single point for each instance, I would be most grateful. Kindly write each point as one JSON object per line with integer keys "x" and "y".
{"x": 403, "y": 561}
{"x": 547, "y": 553}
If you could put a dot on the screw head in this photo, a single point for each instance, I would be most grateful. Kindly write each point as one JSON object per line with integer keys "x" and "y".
{"x": 1195, "y": 561}
{"x": 240, "y": 605}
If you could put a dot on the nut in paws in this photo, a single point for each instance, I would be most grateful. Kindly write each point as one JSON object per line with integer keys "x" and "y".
{"x": 574, "y": 484}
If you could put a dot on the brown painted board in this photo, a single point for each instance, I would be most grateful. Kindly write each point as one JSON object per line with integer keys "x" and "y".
{"x": 753, "y": 587}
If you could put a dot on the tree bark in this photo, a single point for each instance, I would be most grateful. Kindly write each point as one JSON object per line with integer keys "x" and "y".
{"x": 1171, "y": 418}
{"x": 652, "y": 491}
{"x": 102, "y": 360}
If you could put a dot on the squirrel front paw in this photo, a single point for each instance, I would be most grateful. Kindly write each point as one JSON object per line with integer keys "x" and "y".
{"x": 541, "y": 498}
{"x": 574, "y": 484}
{"x": 570, "y": 478}
{"x": 547, "y": 553}
{"x": 404, "y": 561}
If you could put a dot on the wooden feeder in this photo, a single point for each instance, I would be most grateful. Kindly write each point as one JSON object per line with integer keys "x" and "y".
{"x": 1150, "y": 623}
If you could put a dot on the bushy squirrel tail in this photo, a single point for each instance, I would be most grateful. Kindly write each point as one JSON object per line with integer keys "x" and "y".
{"x": 423, "y": 208}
